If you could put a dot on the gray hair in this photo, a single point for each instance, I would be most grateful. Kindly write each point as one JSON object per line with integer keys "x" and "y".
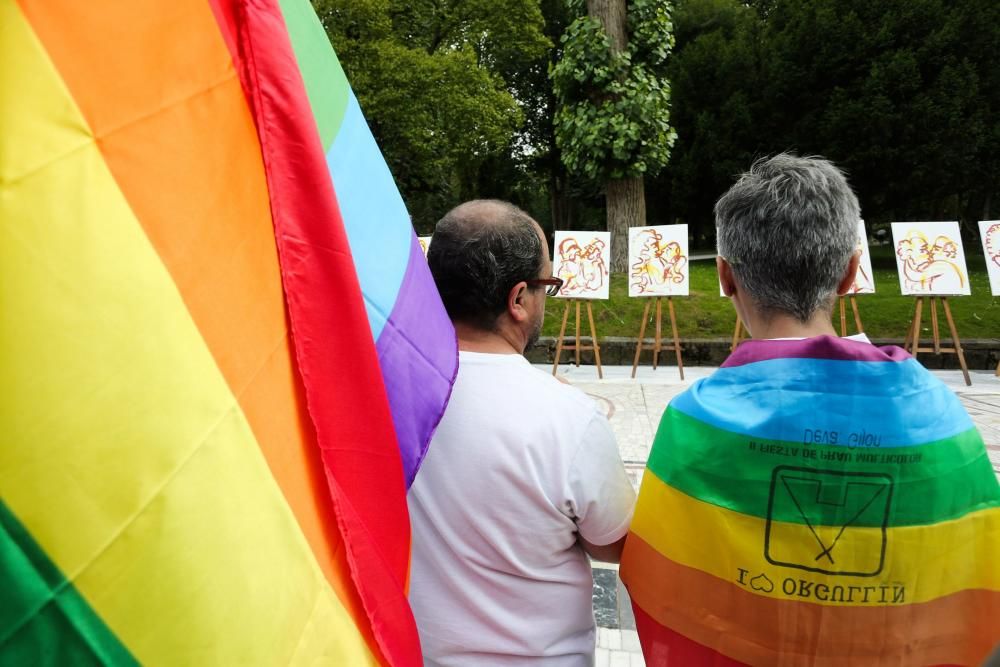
{"x": 479, "y": 251}
{"x": 788, "y": 228}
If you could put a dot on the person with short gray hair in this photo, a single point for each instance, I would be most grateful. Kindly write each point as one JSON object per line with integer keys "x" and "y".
{"x": 787, "y": 235}
{"x": 796, "y": 507}
{"x": 522, "y": 479}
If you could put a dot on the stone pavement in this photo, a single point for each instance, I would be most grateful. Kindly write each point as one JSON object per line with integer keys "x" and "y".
{"x": 634, "y": 408}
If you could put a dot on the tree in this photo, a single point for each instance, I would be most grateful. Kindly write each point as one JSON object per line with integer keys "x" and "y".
{"x": 714, "y": 76}
{"x": 430, "y": 77}
{"x": 613, "y": 120}
{"x": 905, "y": 96}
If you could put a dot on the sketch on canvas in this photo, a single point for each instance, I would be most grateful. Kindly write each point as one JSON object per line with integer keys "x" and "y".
{"x": 930, "y": 258}
{"x": 864, "y": 281}
{"x": 581, "y": 260}
{"x": 658, "y": 261}
{"x": 989, "y": 230}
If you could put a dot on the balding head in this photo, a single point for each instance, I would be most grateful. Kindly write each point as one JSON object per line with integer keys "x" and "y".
{"x": 479, "y": 251}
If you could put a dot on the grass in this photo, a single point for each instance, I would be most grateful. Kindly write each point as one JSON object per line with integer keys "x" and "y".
{"x": 704, "y": 314}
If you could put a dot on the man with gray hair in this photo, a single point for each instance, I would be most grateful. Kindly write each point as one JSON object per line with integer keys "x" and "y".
{"x": 522, "y": 479}
{"x": 817, "y": 500}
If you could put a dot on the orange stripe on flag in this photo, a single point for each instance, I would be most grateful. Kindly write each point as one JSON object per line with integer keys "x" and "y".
{"x": 752, "y": 628}
{"x": 173, "y": 125}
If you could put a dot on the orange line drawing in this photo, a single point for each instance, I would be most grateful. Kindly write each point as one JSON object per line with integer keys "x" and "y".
{"x": 991, "y": 242}
{"x": 862, "y": 281}
{"x": 658, "y": 265}
{"x": 582, "y": 269}
{"x": 929, "y": 268}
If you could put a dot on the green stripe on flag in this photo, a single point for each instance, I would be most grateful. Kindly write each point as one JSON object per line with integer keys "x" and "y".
{"x": 43, "y": 619}
{"x": 326, "y": 83}
{"x": 823, "y": 484}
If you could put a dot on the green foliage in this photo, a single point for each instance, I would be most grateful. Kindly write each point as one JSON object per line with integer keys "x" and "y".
{"x": 430, "y": 78}
{"x": 613, "y": 119}
{"x": 905, "y": 96}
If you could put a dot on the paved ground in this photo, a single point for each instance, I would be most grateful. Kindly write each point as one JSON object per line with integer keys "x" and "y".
{"x": 634, "y": 408}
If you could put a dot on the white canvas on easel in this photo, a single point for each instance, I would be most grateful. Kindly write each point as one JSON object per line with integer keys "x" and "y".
{"x": 581, "y": 259}
{"x": 930, "y": 259}
{"x": 864, "y": 281}
{"x": 658, "y": 261}
{"x": 989, "y": 231}
{"x": 931, "y": 265}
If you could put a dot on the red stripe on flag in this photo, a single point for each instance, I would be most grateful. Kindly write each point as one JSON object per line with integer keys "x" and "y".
{"x": 663, "y": 646}
{"x": 330, "y": 333}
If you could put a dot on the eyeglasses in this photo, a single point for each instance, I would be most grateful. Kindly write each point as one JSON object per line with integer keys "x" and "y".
{"x": 552, "y": 285}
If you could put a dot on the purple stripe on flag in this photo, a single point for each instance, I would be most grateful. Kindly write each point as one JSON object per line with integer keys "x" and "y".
{"x": 419, "y": 357}
{"x": 819, "y": 347}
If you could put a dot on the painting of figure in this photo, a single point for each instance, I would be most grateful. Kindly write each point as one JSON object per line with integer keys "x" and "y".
{"x": 425, "y": 243}
{"x": 581, "y": 259}
{"x": 864, "y": 281}
{"x": 658, "y": 261}
{"x": 989, "y": 231}
{"x": 930, "y": 258}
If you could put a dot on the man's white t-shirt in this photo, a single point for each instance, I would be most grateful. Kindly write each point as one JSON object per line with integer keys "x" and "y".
{"x": 518, "y": 466}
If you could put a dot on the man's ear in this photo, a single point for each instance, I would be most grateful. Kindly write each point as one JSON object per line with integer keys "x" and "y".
{"x": 516, "y": 307}
{"x": 847, "y": 281}
{"x": 725, "y": 276}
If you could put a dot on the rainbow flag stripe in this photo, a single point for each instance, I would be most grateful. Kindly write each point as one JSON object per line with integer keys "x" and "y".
{"x": 199, "y": 462}
{"x": 415, "y": 340}
{"x": 816, "y": 502}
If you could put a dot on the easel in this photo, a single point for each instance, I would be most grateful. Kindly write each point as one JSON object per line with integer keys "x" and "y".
{"x": 578, "y": 346}
{"x": 737, "y": 334}
{"x": 843, "y": 315}
{"x": 913, "y": 334}
{"x": 658, "y": 340}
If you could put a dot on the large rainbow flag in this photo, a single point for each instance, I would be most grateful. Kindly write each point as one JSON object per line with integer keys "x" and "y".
{"x": 221, "y": 353}
{"x": 816, "y": 502}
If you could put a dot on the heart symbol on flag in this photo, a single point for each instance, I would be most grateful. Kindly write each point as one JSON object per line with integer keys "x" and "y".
{"x": 761, "y": 583}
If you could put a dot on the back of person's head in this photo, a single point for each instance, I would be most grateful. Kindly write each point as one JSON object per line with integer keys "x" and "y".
{"x": 788, "y": 229}
{"x": 479, "y": 251}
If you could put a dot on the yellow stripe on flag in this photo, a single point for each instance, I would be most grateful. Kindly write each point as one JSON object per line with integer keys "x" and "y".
{"x": 803, "y": 563}
{"x": 124, "y": 452}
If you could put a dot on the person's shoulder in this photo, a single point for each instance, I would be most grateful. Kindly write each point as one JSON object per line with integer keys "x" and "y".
{"x": 523, "y": 383}
{"x": 558, "y": 392}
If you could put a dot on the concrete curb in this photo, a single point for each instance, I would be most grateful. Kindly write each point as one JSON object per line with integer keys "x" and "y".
{"x": 980, "y": 354}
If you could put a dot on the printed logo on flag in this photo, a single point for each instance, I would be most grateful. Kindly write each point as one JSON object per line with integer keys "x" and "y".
{"x": 828, "y": 521}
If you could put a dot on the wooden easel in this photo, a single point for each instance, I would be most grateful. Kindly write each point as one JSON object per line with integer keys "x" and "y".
{"x": 658, "y": 340}
{"x": 913, "y": 334}
{"x": 737, "y": 334}
{"x": 843, "y": 315}
{"x": 578, "y": 346}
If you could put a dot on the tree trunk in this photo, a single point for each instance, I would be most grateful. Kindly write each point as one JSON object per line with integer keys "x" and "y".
{"x": 625, "y": 197}
{"x": 558, "y": 201}
{"x": 626, "y": 202}
{"x": 611, "y": 14}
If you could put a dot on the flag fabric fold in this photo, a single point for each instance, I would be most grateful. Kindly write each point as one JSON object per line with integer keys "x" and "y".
{"x": 201, "y": 458}
{"x": 817, "y": 501}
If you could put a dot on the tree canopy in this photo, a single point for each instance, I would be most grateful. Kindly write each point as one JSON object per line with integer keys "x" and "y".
{"x": 613, "y": 119}
{"x": 437, "y": 81}
{"x": 904, "y": 95}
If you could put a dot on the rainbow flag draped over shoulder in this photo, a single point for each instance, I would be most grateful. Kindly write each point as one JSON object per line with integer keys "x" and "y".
{"x": 816, "y": 502}
{"x": 210, "y": 403}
